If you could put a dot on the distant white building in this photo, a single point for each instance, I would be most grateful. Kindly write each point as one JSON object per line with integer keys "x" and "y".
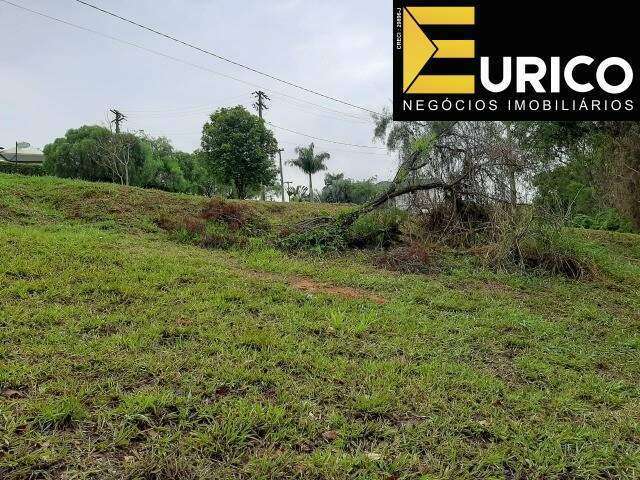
{"x": 25, "y": 153}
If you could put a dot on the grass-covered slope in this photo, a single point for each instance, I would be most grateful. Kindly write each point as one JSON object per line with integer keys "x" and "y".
{"x": 124, "y": 354}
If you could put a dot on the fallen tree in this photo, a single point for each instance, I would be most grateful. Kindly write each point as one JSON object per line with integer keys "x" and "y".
{"x": 454, "y": 162}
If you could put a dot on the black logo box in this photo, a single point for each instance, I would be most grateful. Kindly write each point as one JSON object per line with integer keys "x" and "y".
{"x": 539, "y": 28}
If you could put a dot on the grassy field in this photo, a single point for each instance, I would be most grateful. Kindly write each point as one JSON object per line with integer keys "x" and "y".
{"x": 127, "y": 354}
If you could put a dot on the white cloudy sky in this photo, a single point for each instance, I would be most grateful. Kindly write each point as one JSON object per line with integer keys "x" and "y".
{"x": 55, "y": 77}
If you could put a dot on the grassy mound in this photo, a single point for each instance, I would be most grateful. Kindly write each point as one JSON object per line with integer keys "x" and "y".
{"x": 127, "y": 354}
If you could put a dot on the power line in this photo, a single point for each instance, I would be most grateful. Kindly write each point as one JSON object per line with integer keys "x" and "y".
{"x": 200, "y": 67}
{"x": 340, "y": 150}
{"x": 326, "y": 115}
{"x": 336, "y": 142}
{"x": 286, "y": 142}
{"x": 193, "y": 108}
{"x": 170, "y": 57}
{"x": 297, "y": 101}
{"x": 225, "y": 59}
{"x": 193, "y": 114}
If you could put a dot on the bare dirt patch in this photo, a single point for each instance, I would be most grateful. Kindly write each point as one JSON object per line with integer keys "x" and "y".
{"x": 308, "y": 285}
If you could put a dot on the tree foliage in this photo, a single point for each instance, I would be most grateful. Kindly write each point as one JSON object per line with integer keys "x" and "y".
{"x": 96, "y": 153}
{"x": 237, "y": 149}
{"x": 310, "y": 162}
{"x": 590, "y": 170}
{"x": 77, "y": 155}
{"x": 338, "y": 189}
{"x": 454, "y": 162}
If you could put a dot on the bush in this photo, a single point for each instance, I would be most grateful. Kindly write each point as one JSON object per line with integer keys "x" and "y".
{"x": 32, "y": 170}
{"x": 610, "y": 220}
{"x": 530, "y": 242}
{"x": 377, "y": 229}
{"x": 221, "y": 224}
{"x": 339, "y": 189}
{"x": 236, "y": 216}
{"x": 549, "y": 255}
{"x": 321, "y": 239}
{"x": 461, "y": 225}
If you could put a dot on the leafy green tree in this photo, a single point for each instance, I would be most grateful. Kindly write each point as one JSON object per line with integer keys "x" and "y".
{"x": 589, "y": 169}
{"x": 338, "y": 189}
{"x": 97, "y": 154}
{"x": 237, "y": 149}
{"x": 77, "y": 154}
{"x": 310, "y": 162}
{"x": 196, "y": 171}
{"x": 162, "y": 169}
{"x": 298, "y": 194}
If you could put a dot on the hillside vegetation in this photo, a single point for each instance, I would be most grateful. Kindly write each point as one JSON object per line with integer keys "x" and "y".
{"x": 128, "y": 352}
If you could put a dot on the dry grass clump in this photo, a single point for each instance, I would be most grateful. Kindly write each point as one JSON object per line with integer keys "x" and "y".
{"x": 413, "y": 257}
{"x": 221, "y": 224}
{"x": 532, "y": 242}
{"x": 236, "y": 216}
{"x": 506, "y": 239}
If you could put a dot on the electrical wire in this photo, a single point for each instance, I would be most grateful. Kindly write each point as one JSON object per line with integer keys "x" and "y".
{"x": 193, "y": 108}
{"x": 225, "y": 59}
{"x": 176, "y": 59}
{"x": 155, "y": 52}
{"x": 336, "y": 142}
{"x": 339, "y": 150}
{"x": 329, "y": 116}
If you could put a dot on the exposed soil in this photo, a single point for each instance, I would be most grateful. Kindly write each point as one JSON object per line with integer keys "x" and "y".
{"x": 308, "y": 285}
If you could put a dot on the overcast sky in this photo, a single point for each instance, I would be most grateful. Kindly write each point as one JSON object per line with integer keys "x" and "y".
{"x": 55, "y": 77}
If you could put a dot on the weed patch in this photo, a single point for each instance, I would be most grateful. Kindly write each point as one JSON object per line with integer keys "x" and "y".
{"x": 60, "y": 413}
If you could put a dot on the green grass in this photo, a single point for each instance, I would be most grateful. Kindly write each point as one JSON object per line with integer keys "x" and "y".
{"x": 125, "y": 354}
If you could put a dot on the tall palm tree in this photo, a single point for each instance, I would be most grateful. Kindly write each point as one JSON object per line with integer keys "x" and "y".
{"x": 310, "y": 163}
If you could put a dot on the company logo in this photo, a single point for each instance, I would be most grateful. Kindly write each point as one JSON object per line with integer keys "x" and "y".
{"x": 419, "y": 50}
{"x": 478, "y": 60}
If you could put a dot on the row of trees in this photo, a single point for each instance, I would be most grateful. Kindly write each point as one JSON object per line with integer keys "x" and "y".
{"x": 586, "y": 171}
{"x": 96, "y": 153}
{"x": 235, "y": 159}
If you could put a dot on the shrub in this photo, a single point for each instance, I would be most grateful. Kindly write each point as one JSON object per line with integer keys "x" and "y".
{"x": 236, "y": 216}
{"x": 459, "y": 225}
{"x": 377, "y": 229}
{"x": 548, "y": 255}
{"x": 31, "y": 170}
{"x": 221, "y": 224}
{"x": 374, "y": 230}
{"x": 530, "y": 242}
{"x": 609, "y": 219}
{"x": 321, "y": 239}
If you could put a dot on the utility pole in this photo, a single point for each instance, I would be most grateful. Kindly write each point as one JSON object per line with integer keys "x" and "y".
{"x": 281, "y": 173}
{"x": 120, "y": 118}
{"x": 261, "y": 104}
